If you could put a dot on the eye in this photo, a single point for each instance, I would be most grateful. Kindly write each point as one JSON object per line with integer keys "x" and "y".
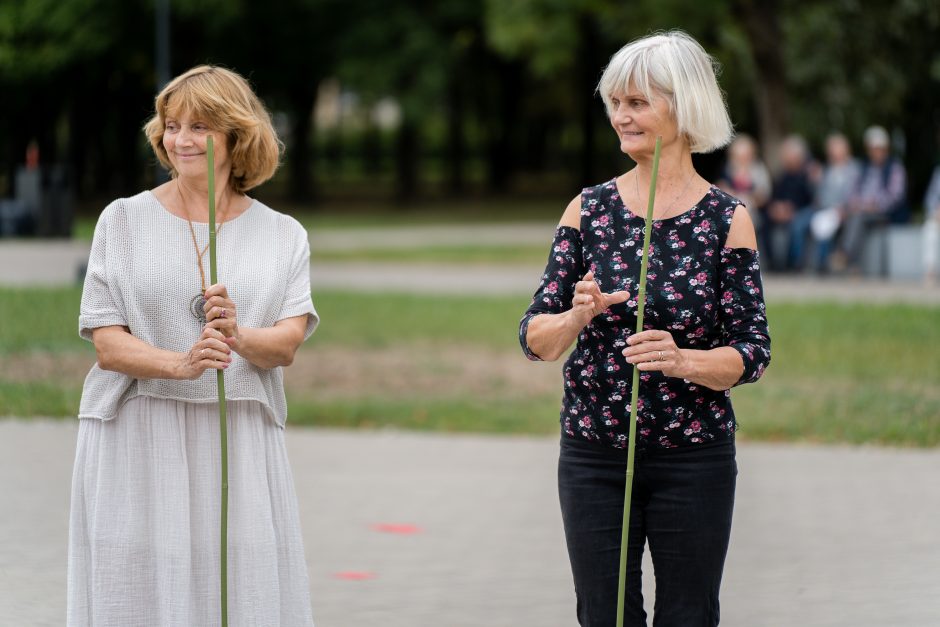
{"x": 171, "y": 127}
{"x": 199, "y": 127}
{"x": 615, "y": 102}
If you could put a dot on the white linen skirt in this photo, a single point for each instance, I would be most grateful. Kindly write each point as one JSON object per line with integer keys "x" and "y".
{"x": 144, "y": 524}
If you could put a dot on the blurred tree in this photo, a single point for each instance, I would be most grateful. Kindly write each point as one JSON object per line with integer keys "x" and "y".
{"x": 509, "y": 82}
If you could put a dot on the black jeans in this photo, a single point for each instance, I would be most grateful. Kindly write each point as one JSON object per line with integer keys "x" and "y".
{"x": 682, "y": 504}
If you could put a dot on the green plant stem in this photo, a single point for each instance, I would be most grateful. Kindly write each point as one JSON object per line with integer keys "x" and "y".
{"x": 635, "y": 395}
{"x": 223, "y": 420}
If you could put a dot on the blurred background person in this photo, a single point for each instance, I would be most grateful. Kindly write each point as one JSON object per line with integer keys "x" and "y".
{"x": 839, "y": 177}
{"x": 790, "y": 210}
{"x": 746, "y": 177}
{"x": 878, "y": 199}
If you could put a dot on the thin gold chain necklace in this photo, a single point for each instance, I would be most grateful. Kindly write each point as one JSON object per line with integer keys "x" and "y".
{"x": 197, "y": 304}
{"x": 636, "y": 185}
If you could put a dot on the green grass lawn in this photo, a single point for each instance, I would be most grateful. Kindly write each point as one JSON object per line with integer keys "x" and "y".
{"x": 488, "y": 255}
{"x": 840, "y": 373}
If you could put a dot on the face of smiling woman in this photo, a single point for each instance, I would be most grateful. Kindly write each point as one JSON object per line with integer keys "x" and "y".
{"x": 185, "y": 139}
{"x": 638, "y": 120}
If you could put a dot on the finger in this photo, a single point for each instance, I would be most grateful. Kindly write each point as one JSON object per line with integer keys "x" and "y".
{"x": 207, "y": 356}
{"x": 648, "y": 336}
{"x": 615, "y": 298}
{"x": 589, "y": 277}
{"x": 226, "y": 326}
{"x": 218, "y": 301}
{"x": 652, "y": 347}
{"x": 209, "y": 331}
{"x": 214, "y": 344}
{"x": 216, "y": 289}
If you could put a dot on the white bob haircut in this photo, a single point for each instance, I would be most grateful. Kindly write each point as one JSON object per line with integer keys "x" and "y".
{"x": 676, "y": 67}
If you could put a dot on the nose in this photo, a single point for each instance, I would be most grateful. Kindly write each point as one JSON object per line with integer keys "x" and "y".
{"x": 184, "y": 136}
{"x": 620, "y": 116}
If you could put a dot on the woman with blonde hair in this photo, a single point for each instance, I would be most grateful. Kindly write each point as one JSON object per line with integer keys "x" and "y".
{"x": 143, "y": 535}
{"x": 705, "y": 332}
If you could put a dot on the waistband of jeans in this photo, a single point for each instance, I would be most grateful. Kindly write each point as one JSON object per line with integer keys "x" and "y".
{"x": 719, "y": 447}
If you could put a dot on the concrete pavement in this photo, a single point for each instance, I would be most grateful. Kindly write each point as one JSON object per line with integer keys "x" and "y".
{"x": 823, "y": 536}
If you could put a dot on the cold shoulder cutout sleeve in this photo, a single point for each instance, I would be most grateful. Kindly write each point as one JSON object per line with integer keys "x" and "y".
{"x": 743, "y": 313}
{"x": 564, "y": 269}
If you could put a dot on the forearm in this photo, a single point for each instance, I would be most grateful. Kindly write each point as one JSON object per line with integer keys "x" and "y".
{"x": 717, "y": 369}
{"x": 119, "y": 351}
{"x": 550, "y": 335}
{"x": 267, "y": 347}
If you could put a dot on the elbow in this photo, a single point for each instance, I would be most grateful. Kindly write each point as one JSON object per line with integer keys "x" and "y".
{"x": 287, "y": 358}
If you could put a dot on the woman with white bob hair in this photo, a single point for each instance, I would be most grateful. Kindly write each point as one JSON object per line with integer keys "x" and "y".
{"x": 705, "y": 332}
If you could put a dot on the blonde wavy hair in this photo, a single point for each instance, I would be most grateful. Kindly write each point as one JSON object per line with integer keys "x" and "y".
{"x": 223, "y": 100}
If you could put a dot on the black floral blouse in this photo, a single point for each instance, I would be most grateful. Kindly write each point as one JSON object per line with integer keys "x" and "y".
{"x": 703, "y": 293}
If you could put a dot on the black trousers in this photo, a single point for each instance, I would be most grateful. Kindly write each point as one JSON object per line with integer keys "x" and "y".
{"x": 682, "y": 505}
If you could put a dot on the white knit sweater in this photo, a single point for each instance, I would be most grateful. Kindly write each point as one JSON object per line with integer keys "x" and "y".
{"x": 142, "y": 274}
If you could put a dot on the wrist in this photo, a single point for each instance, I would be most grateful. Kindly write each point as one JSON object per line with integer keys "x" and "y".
{"x": 177, "y": 367}
{"x": 690, "y": 367}
{"x": 572, "y": 323}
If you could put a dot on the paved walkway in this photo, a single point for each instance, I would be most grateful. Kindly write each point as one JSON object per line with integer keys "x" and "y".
{"x": 823, "y": 536}
{"x": 58, "y": 262}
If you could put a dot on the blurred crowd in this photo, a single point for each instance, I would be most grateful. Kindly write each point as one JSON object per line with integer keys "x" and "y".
{"x": 816, "y": 217}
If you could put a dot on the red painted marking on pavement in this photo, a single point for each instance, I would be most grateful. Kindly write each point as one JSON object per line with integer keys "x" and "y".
{"x": 354, "y": 575}
{"x": 397, "y": 528}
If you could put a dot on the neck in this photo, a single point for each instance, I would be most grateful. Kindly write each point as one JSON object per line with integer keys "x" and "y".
{"x": 675, "y": 168}
{"x": 195, "y": 198}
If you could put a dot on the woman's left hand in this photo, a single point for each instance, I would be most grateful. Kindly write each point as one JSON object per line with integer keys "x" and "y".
{"x": 656, "y": 350}
{"x": 221, "y": 313}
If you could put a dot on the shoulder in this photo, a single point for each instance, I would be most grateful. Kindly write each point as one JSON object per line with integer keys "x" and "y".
{"x": 287, "y": 227}
{"x": 590, "y": 200}
{"x": 721, "y": 202}
{"x": 733, "y": 215}
{"x": 121, "y": 212}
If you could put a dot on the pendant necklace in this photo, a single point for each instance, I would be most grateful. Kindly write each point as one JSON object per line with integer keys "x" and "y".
{"x": 198, "y": 302}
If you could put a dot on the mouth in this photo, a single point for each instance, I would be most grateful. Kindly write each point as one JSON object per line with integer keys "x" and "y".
{"x": 188, "y": 155}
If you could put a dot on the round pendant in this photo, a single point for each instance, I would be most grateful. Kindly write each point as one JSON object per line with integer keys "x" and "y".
{"x": 196, "y": 307}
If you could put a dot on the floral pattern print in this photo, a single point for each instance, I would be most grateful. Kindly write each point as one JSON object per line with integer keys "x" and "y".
{"x": 703, "y": 293}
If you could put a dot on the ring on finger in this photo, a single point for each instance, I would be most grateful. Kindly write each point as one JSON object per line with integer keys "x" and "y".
{"x": 662, "y": 356}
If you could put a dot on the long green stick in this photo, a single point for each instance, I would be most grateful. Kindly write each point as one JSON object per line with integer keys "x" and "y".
{"x": 223, "y": 426}
{"x": 634, "y": 399}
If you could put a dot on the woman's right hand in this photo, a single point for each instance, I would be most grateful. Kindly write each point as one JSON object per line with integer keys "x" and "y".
{"x": 210, "y": 351}
{"x": 589, "y": 300}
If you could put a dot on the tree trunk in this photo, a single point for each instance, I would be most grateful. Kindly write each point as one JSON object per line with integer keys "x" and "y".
{"x": 406, "y": 160}
{"x": 500, "y": 154}
{"x": 456, "y": 144}
{"x": 587, "y": 69}
{"x": 300, "y": 160}
{"x": 762, "y": 27}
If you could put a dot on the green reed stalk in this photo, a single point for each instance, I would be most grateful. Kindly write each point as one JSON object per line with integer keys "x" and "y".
{"x": 223, "y": 422}
{"x": 635, "y": 396}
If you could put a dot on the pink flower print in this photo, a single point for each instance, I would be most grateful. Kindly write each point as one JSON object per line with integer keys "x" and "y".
{"x": 696, "y": 426}
{"x": 564, "y": 245}
{"x": 552, "y": 288}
